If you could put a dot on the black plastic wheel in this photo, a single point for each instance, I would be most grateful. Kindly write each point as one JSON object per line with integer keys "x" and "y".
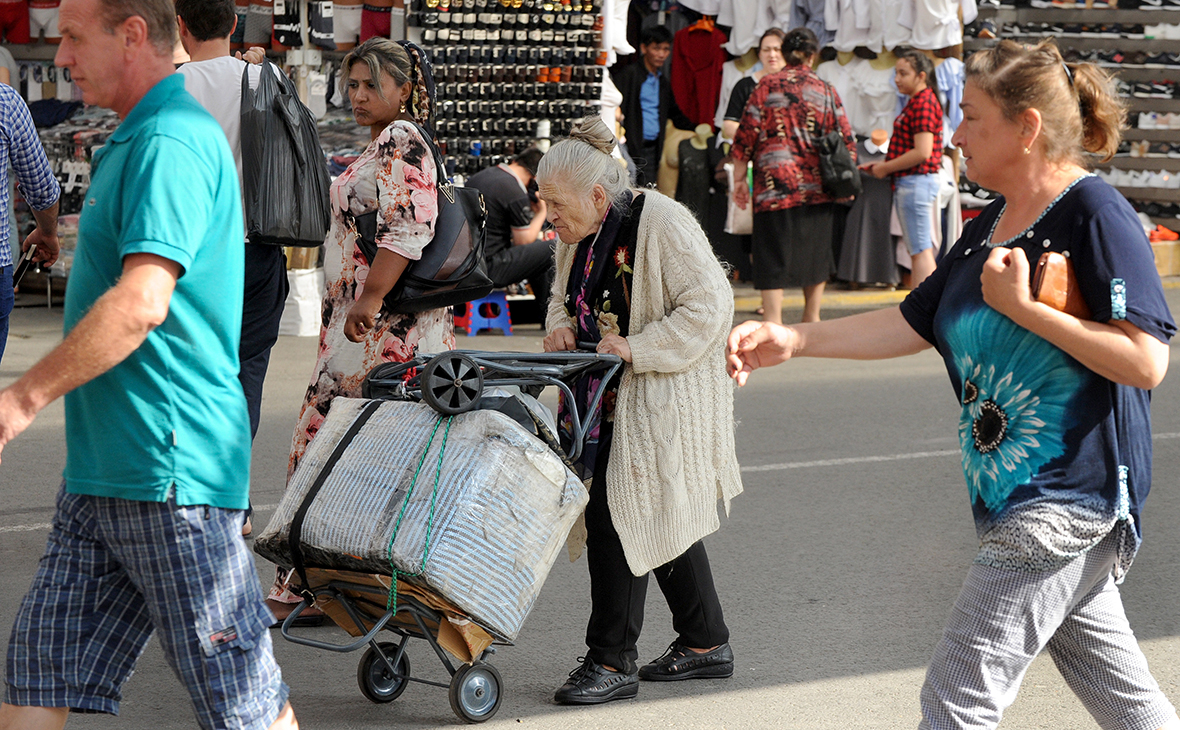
{"x": 451, "y": 383}
{"x": 376, "y": 681}
{"x": 476, "y": 691}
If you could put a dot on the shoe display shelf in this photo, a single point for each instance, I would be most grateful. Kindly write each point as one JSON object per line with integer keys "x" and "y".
{"x": 509, "y": 73}
{"x": 1147, "y": 167}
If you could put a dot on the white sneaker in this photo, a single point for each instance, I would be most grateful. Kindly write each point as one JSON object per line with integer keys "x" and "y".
{"x": 1148, "y": 120}
{"x": 1155, "y": 31}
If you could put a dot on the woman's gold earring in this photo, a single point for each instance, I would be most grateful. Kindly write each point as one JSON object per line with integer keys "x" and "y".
{"x": 404, "y": 111}
{"x": 1026, "y": 150}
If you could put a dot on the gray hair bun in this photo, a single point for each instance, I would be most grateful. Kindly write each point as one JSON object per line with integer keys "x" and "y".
{"x": 594, "y": 132}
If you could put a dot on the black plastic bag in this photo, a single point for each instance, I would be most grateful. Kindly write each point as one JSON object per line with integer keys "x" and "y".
{"x": 284, "y": 173}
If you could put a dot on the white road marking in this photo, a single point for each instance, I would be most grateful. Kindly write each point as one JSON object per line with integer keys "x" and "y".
{"x": 751, "y": 469}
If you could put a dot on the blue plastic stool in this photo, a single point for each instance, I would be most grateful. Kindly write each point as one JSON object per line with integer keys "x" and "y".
{"x": 491, "y": 312}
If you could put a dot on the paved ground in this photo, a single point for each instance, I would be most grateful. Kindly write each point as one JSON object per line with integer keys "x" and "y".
{"x": 837, "y": 566}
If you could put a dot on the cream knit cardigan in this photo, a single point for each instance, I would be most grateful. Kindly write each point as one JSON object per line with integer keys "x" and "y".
{"x": 673, "y": 453}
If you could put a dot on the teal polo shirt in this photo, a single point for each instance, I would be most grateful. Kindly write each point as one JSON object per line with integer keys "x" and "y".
{"x": 171, "y": 416}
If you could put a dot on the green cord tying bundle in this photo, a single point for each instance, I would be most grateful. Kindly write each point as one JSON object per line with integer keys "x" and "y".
{"x": 391, "y": 603}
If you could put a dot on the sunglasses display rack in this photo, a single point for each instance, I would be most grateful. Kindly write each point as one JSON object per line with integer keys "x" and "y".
{"x": 509, "y": 73}
{"x": 1138, "y": 41}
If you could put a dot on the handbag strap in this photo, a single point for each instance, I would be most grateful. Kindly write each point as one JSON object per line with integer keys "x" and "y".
{"x": 828, "y": 102}
{"x": 438, "y": 162}
{"x": 296, "y": 531}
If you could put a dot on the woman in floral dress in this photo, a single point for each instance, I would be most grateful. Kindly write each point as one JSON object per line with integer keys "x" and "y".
{"x": 391, "y": 90}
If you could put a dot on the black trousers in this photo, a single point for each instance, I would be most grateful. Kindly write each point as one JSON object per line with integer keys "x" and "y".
{"x": 532, "y": 261}
{"x": 262, "y": 308}
{"x": 617, "y": 597}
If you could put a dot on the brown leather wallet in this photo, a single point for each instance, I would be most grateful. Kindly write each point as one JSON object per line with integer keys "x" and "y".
{"x": 1056, "y": 284}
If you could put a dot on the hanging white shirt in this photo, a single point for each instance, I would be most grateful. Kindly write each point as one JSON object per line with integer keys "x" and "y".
{"x": 895, "y": 33}
{"x": 730, "y": 75}
{"x": 840, "y": 78}
{"x": 877, "y": 94}
{"x": 614, "y": 29}
{"x": 856, "y": 23}
{"x": 748, "y": 20}
{"x": 936, "y": 24}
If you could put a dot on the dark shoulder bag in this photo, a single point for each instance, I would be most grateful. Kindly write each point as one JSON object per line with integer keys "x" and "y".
{"x": 452, "y": 269}
{"x": 837, "y": 169}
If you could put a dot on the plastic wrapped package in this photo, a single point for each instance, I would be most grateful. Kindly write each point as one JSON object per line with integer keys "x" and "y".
{"x": 504, "y": 505}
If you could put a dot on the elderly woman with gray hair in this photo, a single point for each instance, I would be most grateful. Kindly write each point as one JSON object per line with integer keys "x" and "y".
{"x": 636, "y": 277}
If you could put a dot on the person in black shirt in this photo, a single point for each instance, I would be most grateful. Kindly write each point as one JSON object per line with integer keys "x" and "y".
{"x": 515, "y": 217}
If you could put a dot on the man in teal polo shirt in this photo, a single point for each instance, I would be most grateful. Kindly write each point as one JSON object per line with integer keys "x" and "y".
{"x": 147, "y": 531}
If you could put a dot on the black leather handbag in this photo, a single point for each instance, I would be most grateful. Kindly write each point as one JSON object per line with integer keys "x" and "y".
{"x": 452, "y": 269}
{"x": 837, "y": 169}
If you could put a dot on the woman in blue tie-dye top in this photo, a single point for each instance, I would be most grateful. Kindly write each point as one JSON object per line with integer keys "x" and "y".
{"x": 1055, "y": 425}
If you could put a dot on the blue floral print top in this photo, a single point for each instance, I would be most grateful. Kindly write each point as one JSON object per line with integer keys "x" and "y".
{"x": 1055, "y": 456}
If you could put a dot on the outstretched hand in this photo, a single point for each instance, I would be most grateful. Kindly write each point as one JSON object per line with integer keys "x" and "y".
{"x": 754, "y": 345}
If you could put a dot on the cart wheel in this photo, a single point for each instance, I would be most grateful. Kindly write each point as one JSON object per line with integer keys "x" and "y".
{"x": 476, "y": 692}
{"x": 451, "y": 383}
{"x": 376, "y": 681}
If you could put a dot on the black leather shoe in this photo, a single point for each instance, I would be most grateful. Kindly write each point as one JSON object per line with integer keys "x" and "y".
{"x": 680, "y": 662}
{"x": 592, "y": 684}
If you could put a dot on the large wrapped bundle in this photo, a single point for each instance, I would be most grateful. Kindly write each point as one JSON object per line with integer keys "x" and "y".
{"x": 504, "y": 505}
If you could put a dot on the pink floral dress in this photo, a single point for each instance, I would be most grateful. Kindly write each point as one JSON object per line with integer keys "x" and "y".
{"x": 395, "y": 176}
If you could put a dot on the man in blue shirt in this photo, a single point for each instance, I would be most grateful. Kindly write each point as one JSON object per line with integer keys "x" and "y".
{"x": 146, "y": 536}
{"x": 21, "y": 150}
{"x": 648, "y": 103}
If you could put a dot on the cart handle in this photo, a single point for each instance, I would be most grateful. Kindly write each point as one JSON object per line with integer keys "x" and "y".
{"x": 342, "y": 648}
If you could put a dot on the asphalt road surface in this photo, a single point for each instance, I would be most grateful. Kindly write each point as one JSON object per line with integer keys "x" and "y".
{"x": 837, "y": 568}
